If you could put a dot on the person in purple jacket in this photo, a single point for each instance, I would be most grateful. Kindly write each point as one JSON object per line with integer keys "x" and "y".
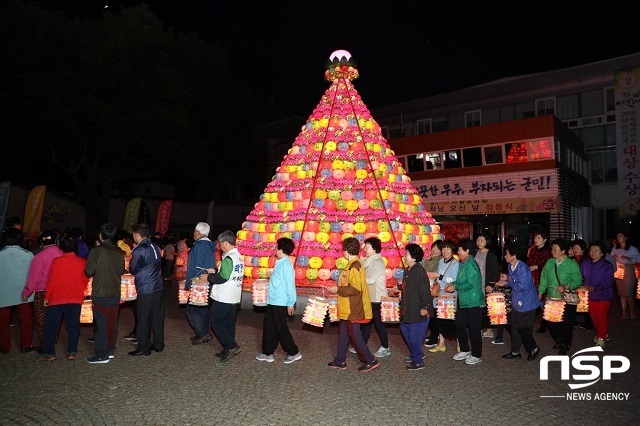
{"x": 598, "y": 280}
{"x": 525, "y": 302}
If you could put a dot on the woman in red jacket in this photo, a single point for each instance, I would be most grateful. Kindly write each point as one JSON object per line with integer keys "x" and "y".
{"x": 63, "y": 298}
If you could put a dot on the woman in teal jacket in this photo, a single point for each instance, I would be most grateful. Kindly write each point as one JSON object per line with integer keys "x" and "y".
{"x": 471, "y": 302}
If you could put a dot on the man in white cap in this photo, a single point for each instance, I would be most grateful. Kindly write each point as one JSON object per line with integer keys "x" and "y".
{"x": 202, "y": 256}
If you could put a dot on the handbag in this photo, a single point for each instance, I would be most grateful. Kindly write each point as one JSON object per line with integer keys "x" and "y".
{"x": 571, "y": 297}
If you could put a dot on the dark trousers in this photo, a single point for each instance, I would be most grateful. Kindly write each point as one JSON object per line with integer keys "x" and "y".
{"x": 168, "y": 268}
{"x": 150, "y": 309}
{"x": 276, "y": 330}
{"x": 562, "y": 332}
{"x": 105, "y": 324}
{"x": 471, "y": 319}
{"x": 351, "y": 332}
{"x": 381, "y": 328}
{"x": 71, "y": 314}
{"x": 198, "y": 317}
{"x": 223, "y": 323}
{"x": 522, "y": 330}
{"x": 413, "y": 334}
{"x": 24, "y": 311}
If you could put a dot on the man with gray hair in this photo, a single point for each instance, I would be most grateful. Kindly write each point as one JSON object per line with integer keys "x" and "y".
{"x": 202, "y": 257}
{"x": 226, "y": 292}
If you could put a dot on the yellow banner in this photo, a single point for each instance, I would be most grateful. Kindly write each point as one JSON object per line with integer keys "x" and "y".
{"x": 33, "y": 212}
{"x": 131, "y": 214}
{"x": 496, "y": 206}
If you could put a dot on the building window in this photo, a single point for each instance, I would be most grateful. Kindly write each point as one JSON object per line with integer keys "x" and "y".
{"x": 593, "y": 137}
{"x": 415, "y": 163}
{"x": 610, "y": 166}
{"x": 610, "y": 135}
{"x": 597, "y": 172}
{"x": 473, "y": 118}
{"x": 452, "y": 159}
{"x": 422, "y": 127}
{"x": 609, "y": 100}
{"x": 545, "y": 106}
{"x": 403, "y": 162}
{"x": 491, "y": 115}
{"x": 440, "y": 124}
{"x": 592, "y": 103}
{"x": 507, "y": 113}
{"x": 472, "y": 157}
{"x": 568, "y": 107}
{"x": 517, "y": 152}
{"x": 540, "y": 149}
{"x": 433, "y": 161}
{"x": 525, "y": 110}
{"x": 493, "y": 154}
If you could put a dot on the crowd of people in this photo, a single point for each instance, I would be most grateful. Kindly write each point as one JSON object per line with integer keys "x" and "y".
{"x": 49, "y": 284}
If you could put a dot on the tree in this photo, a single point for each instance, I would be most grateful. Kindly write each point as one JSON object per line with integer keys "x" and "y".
{"x": 119, "y": 99}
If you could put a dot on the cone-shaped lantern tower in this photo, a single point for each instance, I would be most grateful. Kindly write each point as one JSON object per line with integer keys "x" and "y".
{"x": 339, "y": 179}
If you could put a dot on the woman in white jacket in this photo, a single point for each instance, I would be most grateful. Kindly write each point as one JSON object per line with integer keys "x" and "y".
{"x": 375, "y": 270}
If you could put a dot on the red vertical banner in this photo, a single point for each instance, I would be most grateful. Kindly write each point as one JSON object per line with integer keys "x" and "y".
{"x": 33, "y": 212}
{"x": 162, "y": 218}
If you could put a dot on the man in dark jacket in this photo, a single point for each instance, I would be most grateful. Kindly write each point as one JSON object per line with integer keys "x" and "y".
{"x": 201, "y": 257}
{"x": 105, "y": 264}
{"x": 146, "y": 266}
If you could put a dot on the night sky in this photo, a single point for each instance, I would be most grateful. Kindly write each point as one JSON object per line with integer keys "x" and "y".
{"x": 404, "y": 50}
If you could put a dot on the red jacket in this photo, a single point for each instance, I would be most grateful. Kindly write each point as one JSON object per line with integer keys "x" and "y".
{"x": 67, "y": 281}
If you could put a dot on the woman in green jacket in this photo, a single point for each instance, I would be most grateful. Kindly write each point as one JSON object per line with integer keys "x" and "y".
{"x": 470, "y": 304}
{"x": 560, "y": 274}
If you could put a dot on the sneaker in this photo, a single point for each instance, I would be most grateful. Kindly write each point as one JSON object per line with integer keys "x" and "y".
{"x": 382, "y": 352}
{"x": 460, "y": 356}
{"x": 71, "y": 356}
{"x": 430, "y": 343}
{"x": 487, "y": 334}
{"x": 47, "y": 357}
{"x": 91, "y": 340}
{"x": 266, "y": 358}
{"x": 472, "y": 360}
{"x": 408, "y": 359}
{"x": 414, "y": 366}
{"x": 497, "y": 342}
{"x": 368, "y": 367}
{"x": 292, "y": 358}
{"x": 600, "y": 342}
{"x": 352, "y": 350}
{"x": 96, "y": 360}
{"x": 595, "y": 339}
{"x": 230, "y": 354}
{"x": 130, "y": 337}
{"x": 112, "y": 355}
{"x": 337, "y": 366}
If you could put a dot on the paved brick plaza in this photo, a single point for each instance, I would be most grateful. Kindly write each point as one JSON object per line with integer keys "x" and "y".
{"x": 186, "y": 385}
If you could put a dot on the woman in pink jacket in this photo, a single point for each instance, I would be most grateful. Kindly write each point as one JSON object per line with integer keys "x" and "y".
{"x": 38, "y": 279}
